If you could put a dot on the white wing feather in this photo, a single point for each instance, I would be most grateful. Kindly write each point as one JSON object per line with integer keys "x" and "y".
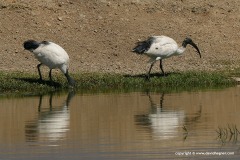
{"x": 162, "y": 47}
{"x": 52, "y": 55}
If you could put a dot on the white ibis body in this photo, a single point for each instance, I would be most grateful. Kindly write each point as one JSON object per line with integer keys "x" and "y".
{"x": 161, "y": 47}
{"x": 51, "y": 55}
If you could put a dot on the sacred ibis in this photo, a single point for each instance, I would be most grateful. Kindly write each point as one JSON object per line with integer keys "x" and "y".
{"x": 51, "y": 55}
{"x": 161, "y": 47}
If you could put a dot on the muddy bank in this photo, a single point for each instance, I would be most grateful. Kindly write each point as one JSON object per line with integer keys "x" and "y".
{"x": 99, "y": 34}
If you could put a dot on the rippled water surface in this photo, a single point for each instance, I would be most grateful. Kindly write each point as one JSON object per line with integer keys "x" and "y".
{"x": 135, "y": 125}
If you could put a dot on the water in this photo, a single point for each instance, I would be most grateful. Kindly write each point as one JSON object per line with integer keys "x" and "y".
{"x": 136, "y": 125}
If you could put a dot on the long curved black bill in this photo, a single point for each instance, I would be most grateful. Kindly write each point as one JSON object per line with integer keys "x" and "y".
{"x": 195, "y": 46}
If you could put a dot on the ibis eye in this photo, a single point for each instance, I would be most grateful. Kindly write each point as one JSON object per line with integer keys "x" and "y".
{"x": 156, "y": 48}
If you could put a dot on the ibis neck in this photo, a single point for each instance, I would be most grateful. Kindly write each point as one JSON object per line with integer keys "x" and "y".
{"x": 181, "y": 50}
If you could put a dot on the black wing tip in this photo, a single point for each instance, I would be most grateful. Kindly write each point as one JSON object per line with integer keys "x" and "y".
{"x": 45, "y": 42}
{"x": 138, "y": 50}
{"x": 142, "y": 47}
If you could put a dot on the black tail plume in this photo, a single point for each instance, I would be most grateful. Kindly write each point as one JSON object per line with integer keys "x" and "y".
{"x": 143, "y": 46}
{"x": 140, "y": 48}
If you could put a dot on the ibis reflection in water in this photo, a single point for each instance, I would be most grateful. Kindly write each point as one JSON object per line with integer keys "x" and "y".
{"x": 163, "y": 123}
{"x": 52, "y": 123}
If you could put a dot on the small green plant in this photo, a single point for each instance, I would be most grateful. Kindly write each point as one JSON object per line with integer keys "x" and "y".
{"x": 228, "y": 134}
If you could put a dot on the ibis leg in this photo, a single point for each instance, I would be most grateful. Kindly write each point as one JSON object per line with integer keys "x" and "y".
{"x": 39, "y": 71}
{"x": 148, "y": 74}
{"x": 161, "y": 67}
{"x": 50, "y": 75}
{"x": 71, "y": 81}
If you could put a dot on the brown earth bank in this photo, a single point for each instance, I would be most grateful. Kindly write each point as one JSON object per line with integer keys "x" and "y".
{"x": 99, "y": 34}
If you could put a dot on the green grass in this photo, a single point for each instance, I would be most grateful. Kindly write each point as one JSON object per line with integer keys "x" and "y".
{"x": 234, "y": 73}
{"x": 26, "y": 83}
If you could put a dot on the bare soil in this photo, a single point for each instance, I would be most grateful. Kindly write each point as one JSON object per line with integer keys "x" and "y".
{"x": 99, "y": 34}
